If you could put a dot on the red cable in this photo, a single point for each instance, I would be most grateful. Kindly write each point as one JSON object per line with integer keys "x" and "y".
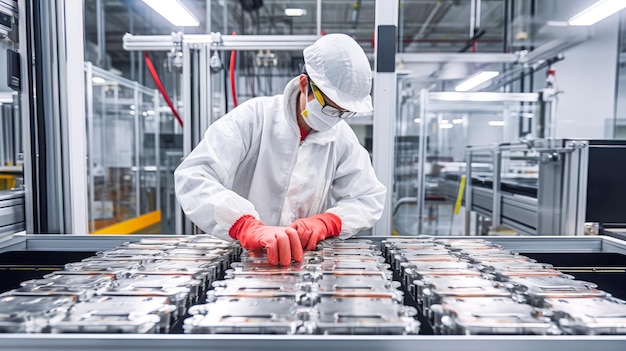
{"x": 233, "y": 56}
{"x": 155, "y": 76}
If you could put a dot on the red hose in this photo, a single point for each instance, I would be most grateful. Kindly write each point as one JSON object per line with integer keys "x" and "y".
{"x": 155, "y": 76}
{"x": 233, "y": 56}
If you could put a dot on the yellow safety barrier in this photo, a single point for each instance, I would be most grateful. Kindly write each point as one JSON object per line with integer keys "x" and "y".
{"x": 459, "y": 196}
{"x": 7, "y": 181}
{"x": 132, "y": 225}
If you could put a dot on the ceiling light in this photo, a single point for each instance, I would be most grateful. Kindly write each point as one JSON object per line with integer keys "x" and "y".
{"x": 417, "y": 120}
{"x": 98, "y": 80}
{"x": 295, "y": 12}
{"x": 476, "y": 80}
{"x": 174, "y": 11}
{"x": 444, "y": 121}
{"x": 457, "y": 121}
{"x": 496, "y": 123}
{"x": 445, "y": 125}
{"x": 597, "y": 12}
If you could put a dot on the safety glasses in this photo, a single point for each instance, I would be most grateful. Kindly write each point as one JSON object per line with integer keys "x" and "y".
{"x": 327, "y": 109}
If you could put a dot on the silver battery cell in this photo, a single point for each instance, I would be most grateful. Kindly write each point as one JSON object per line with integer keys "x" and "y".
{"x": 205, "y": 272}
{"x": 349, "y": 287}
{"x": 253, "y": 288}
{"x": 490, "y": 315}
{"x": 590, "y": 316}
{"x": 83, "y": 281}
{"x": 127, "y": 254}
{"x": 177, "y": 295}
{"x": 246, "y": 316}
{"x": 148, "y": 246}
{"x": 117, "y": 269}
{"x": 475, "y": 244}
{"x": 167, "y": 241}
{"x": 31, "y": 314}
{"x": 412, "y": 271}
{"x": 119, "y": 314}
{"x": 80, "y": 294}
{"x": 534, "y": 289}
{"x": 363, "y": 316}
{"x": 433, "y": 289}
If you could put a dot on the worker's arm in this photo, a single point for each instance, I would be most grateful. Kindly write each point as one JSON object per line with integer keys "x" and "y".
{"x": 204, "y": 177}
{"x": 358, "y": 197}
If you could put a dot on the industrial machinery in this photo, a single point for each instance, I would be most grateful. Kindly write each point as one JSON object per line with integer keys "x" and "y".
{"x": 544, "y": 186}
{"x": 342, "y": 295}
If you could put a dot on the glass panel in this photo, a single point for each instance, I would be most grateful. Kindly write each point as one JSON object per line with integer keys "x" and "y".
{"x": 450, "y": 127}
{"x": 113, "y": 154}
{"x": 148, "y": 154}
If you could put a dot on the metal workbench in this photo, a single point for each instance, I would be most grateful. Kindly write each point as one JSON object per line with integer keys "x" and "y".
{"x": 11, "y": 211}
{"x": 190, "y": 342}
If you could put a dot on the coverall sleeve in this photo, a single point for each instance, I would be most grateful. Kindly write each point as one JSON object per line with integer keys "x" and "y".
{"x": 359, "y": 195}
{"x": 204, "y": 177}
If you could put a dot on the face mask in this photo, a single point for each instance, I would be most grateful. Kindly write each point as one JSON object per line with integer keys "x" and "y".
{"x": 316, "y": 119}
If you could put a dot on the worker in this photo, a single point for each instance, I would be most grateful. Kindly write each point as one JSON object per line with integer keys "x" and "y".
{"x": 283, "y": 173}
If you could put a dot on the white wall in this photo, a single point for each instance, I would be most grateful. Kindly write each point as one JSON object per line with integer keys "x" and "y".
{"x": 587, "y": 77}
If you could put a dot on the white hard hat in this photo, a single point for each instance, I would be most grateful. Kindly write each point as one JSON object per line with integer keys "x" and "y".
{"x": 339, "y": 67}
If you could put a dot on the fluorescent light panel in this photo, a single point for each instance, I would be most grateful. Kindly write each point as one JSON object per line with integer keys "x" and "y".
{"x": 597, "y": 12}
{"x": 295, "y": 12}
{"x": 98, "y": 80}
{"x": 496, "y": 123}
{"x": 174, "y": 11}
{"x": 445, "y": 125}
{"x": 476, "y": 80}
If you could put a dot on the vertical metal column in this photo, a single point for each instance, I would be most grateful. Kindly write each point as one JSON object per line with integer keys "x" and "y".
{"x": 52, "y": 58}
{"x": 468, "y": 191}
{"x": 549, "y": 194}
{"x": 90, "y": 151}
{"x": 385, "y": 87}
{"x": 100, "y": 32}
{"x": 496, "y": 207}
{"x": 184, "y": 225}
{"x": 157, "y": 147}
{"x": 138, "y": 115}
{"x": 421, "y": 172}
{"x": 318, "y": 18}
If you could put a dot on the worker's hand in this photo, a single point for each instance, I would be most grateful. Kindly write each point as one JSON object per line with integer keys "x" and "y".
{"x": 316, "y": 228}
{"x": 280, "y": 242}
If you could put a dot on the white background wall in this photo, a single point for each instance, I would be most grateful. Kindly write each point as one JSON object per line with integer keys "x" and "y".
{"x": 587, "y": 77}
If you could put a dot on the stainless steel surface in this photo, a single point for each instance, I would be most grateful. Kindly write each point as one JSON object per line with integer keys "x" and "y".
{"x": 363, "y": 342}
{"x": 11, "y": 211}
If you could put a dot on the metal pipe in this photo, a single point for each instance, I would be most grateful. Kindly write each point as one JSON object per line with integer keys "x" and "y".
{"x": 318, "y": 19}
{"x": 431, "y": 15}
{"x": 227, "y": 43}
{"x": 468, "y": 191}
{"x": 100, "y": 32}
{"x": 208, "y": 17}
{"x": 157, "y": 148}
{"x": 421, "y": 191}
{"x": 138, "y": 109}
{"x": 401, "y": 26}
{"x": 472, "y": 27}
{"x": 225, "y": 16}
{"x": 90, "y": 151}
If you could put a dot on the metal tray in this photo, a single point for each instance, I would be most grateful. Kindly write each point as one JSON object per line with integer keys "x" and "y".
{"x": 491, "y": 315}
{"x": 83, "y": 281}
{"x": 591, "y": 316}
{"x": 534, "y": 289}
{"x": 107, "y": 314}
{"x": 363, "y": 316}
{"x": 31, "y": 314}
{"x": 246, "y": 316}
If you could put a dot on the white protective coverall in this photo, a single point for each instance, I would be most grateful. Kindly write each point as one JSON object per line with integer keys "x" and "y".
{"x": 251, "y": 161}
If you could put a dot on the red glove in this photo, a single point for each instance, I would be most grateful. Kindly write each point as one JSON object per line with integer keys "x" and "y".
{"x": 316, "y": 228}
{"x": 280, "y": 242}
